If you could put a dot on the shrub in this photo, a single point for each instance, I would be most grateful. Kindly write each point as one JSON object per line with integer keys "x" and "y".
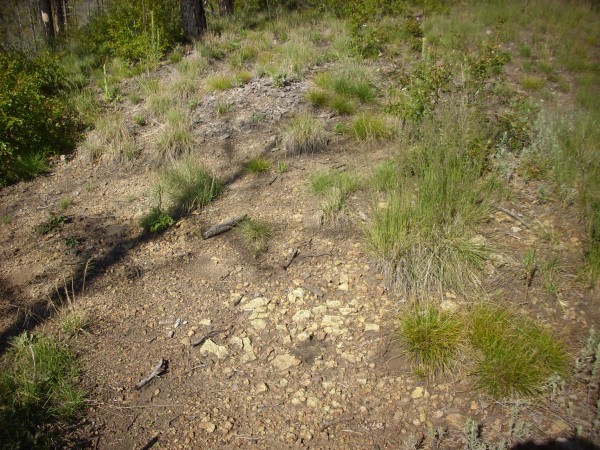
{"x": 38, "y": 391}
{"x": 257, "y": 165}
{"x": 134, "y": 30}
{"x": 303, "y": 134}
{"x": 156, "y": 221}
{"x": 188, "y": 186}
{"x": 36, "y": 119}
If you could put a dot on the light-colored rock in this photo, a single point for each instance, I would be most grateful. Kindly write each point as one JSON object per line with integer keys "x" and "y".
{"x": 260, "y": 388}
{"x": 208, "y": 427}
{"x": 313, "y": 402}
{"x": 205, "y": 322}
{"x": 218, "y": 350}
{"x": 295, "y": 295}
{"x": 343, "y": 287}
{"x": 321, "y": 309}
{"x": 456, "y": 421}
{"x": 331, "y": 321}
{"x": 301, "y": 316}
{"x": 259, "y": 303}
{"x": 284, "y": 362}
{"x": 258, "y": 324}
{"x": 418, "y": 392}
{"x": 346, "y": 311}
{"x": 449, "y": 305}
{"x": 372, "y": 327}
{"x": 349, "y": 357}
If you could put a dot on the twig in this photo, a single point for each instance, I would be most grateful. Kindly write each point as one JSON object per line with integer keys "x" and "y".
{"x": 272, "y": 180}
{"x": 288, "y": 261}
{"x": 222, "y": 227}
{"x": 206, "y": 337}
{"x": 158, "y": 370}
{"x": 329, "y": 423}
{"x": 513, "y": 215}
{"x": 248, "y": 438}
{"x": 315, "y": 255}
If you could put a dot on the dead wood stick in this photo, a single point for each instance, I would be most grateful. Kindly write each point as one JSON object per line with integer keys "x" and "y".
{"x": 272, "y": 180}
{"x": 327, "y": 424}
{"x": 158, "y": 370}
{"x": 508, "y": 212}
{"x": 222, "y": 227}
{"x": 206, "y": 337}
{"x": 288, "y": 261}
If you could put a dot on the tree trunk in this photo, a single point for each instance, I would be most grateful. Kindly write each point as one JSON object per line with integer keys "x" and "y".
{"x": 193, "y": 18}
{"x": 45, "y": 7}
{"x": 61, "y": 9}
{"x": 225, "y": 7}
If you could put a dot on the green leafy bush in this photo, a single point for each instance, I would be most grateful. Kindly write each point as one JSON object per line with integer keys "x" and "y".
{"x": 134, "y": 30}
{"x": 156, "y": 221}
{"x": 35, "y": 117}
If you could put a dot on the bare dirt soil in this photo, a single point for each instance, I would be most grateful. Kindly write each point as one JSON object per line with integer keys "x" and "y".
{"x": 301, "y": 357}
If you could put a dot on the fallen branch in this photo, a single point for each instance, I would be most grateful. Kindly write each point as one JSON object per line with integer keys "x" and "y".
{"x": 158, "y": 370}
{"x": 513, "y": 215}
{"x": 288, "y": 261}
{"x": 206, "y": 337}
{"x": 272, "y": 180}
{"x": 222, "y": 227}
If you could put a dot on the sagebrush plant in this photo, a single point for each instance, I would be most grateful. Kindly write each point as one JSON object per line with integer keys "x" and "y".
{"x": 111, "y": 141}
{"x": 303, "y": 134}
{"x": 38, "y": 387}
{"x": 187, "y": 185}
{"x": 255, "y": 235}
{"x": 516, "y": 355}
{"x": 434, "y": 338}
{"x": 425, "y": 233}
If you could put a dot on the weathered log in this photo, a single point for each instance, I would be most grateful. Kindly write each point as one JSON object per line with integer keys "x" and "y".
{"x": 222, "y": 227}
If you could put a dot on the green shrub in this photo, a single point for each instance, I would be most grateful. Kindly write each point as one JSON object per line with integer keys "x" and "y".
{"x": 156, "y": 221}
{"x": 255, "y": 235}
{"x": 257, "y": 165}
{"x": 39, "y": 394}
{"x": 36, "y": 119}
{"x": 134, "y": 30}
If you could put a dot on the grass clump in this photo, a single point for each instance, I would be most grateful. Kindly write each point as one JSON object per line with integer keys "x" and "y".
{"x": 304, "y": 134}
{"x": 532, "y": 82}
{"x": 371, "y": 127}
{"x": 433, "y": 337}
{"x": 176, "y": 138}
{"x": 333, "y": 188}
{"x": 386, "y": 176}
{"x": 255, "y": 235}
{"x": 220, "y": 83}
{"x": 257, "y": 165}
{"x": 74, "y": 322}
{"x": 187, "y": 186}
{"x": 349, "y": 79}
{"x": 516, "y": 355}
{"x": 39, "y": 393}
{"x": 111, "y": 141}
{"x": 424, "y": 234}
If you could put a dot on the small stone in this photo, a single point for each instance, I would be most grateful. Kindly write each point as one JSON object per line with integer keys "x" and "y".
{"x": 372, "y": 327}
{"x": 185, "y": 341}
{"x": 284, "y": 362}
{"x": 301, "y": 316}
{"x": 312, "y": 402}
{"x": 416, "y": 422}
{"x": 205, "y": 322}
{"x": 343, "y": 287}
{"x": 258, "y": 324}
{"x": 258, "y": 303}
{"x": 418, "y": 392}
{"x": 218, "y": 350}
{"x": 260, "y": 388}
{"x": 171, "y": 334}
{"x": 448, "y": 305}
{"x": 456, "y": 421}
{"x": 474, "y": 405}
{"x": 208, "y": 427}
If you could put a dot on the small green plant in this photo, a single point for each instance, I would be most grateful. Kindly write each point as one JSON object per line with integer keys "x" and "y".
{"x": 223, "y": 108}
{"x": 187, "y": 186}
{"x": 156, "y": 221}
{"x": 282, "y": 166}
{"x": 303, "y": 134}
{"x": 255, "y": 235}
{"x": 530, "y": 264}
{"x": 371, "y": 127}
{"x": 280, "y": 79}
{"x": 140, "y": 120}
{"x": 219, "y": 83}
{"x": 517, "y": 356}
{"x": 74, "y": 322}
{"x": 333, "y": 188}
{"x": 38, "y": 387}
{"x": 550, "y": 270}
{"x": 386, "y": 176}
{"x": 434, "y": 338}
{"x": 532, "y": 82}
{"x": 65, "y": 203}
{"x": 318, "y": 98}
{"x": 257, "y": 165}
{"x": 53, "y": 223}
{"x": 243, "y": 77}
{"x": 5, "y": 219}
{"x": 71, "y": 243}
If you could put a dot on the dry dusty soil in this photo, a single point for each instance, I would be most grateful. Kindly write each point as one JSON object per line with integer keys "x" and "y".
{"x": 303, "y": 357}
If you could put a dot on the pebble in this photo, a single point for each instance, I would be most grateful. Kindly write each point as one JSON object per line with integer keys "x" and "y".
{"x": 285, "y": 361}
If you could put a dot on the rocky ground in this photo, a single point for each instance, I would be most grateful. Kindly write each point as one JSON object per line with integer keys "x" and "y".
{"x": 303, "y": 356}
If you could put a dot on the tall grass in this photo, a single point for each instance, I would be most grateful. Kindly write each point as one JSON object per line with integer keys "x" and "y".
{"x": 425, "y": 236}
{"x": 176, "y": 139}
{"x": 303, "y": 134}
{"x": 110, "y": 141}
{"x": 39, "y": 394}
